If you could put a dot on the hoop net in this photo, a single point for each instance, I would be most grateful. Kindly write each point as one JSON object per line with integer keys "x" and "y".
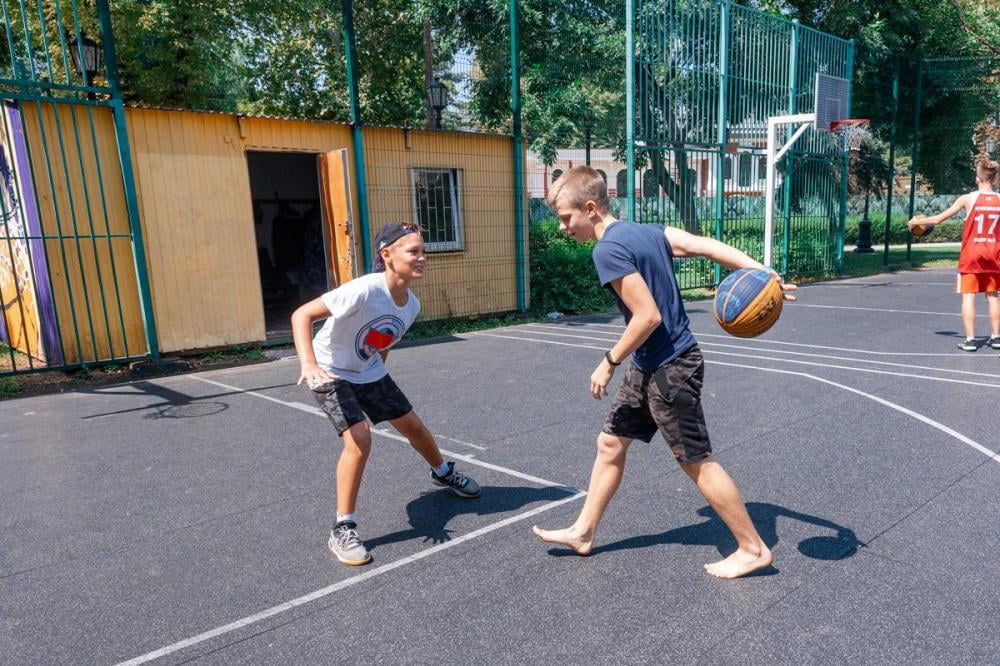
{"x": 848, "y": 130}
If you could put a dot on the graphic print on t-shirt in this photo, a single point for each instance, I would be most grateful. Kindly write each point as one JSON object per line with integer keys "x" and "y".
{"x": 378, "y": 335}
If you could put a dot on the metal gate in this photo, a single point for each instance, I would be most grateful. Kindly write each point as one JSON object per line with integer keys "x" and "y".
{"x": 74, "y": 288}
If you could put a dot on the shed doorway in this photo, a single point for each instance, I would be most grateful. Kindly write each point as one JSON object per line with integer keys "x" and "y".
{"x": 302, "y": 228}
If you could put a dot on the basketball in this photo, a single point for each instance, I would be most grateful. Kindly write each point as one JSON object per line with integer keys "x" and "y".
{"x": 921, "y": 229}
{"x": 748, "y": 302}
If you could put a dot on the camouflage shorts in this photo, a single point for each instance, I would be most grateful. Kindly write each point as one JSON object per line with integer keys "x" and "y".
{"x": 347, "y": 403}
{"x": 668, "y": 400}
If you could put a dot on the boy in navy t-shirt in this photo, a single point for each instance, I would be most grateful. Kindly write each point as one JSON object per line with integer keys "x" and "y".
{"x": 661, "y": 390}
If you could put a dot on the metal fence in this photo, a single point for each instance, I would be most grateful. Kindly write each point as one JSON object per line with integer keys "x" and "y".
{"x": 933, "y": 119}
{"x": 71, "y": 254}
{"x": 708, "y": 75}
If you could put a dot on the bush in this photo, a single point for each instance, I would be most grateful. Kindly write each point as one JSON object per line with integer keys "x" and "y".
{"x": 563, "y": 277}
{"x": 946, "y": 232}
{"x": 9, "y": 387}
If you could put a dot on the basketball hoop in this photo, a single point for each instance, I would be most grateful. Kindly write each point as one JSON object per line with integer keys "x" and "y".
{"x": 846, "y": 129}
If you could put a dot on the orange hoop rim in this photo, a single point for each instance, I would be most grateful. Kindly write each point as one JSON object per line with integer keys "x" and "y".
{"x": 849, "y": 122}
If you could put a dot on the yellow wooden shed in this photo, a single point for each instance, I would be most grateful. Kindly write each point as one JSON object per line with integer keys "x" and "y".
{"x": 244, "y": 218}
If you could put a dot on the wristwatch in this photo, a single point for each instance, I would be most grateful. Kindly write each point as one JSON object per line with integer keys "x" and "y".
{"x": 607, "y": 357}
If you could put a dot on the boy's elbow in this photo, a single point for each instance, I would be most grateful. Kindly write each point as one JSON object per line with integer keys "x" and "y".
{"x": 653, "y": 320}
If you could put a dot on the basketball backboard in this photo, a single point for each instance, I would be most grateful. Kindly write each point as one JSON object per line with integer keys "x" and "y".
{"x": 833, "y": 95}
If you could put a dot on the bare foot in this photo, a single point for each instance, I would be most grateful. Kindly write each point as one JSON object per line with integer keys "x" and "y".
{"x": 567, "y": 537}
{"x": 740, "y": 563}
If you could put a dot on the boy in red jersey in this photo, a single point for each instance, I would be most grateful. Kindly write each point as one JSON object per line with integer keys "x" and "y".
{"x": 979, "y": 259}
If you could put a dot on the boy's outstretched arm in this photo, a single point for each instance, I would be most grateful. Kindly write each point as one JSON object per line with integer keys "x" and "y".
{"x": 685, "y": 244}
{"x": 959, "y": 204}
{"x": 302, "y": 321}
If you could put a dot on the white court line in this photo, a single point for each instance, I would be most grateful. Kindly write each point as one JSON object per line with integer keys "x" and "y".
{"x": 391, "y": 435}
{"x": 851, "y": 307}
{"x": 768, "y": 358}
{"x": 385, "y": 568}
{"x": 781, "y": 351}
{"x": 791, "y": 344}
{"x": 892, "y": 284}
{"x": 993, "y": 455}
{"x": 336, "y": 587}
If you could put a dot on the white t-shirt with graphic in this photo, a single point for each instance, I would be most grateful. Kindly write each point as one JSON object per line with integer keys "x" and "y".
{"x": 364, "y": 321}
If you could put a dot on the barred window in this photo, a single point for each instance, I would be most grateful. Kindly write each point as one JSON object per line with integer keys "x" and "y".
{"x": 746, "y": 165}
{"x": 436, "y": 202}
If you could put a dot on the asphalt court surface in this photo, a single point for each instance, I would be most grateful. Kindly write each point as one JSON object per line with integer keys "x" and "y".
{"x": 185, "y": 518}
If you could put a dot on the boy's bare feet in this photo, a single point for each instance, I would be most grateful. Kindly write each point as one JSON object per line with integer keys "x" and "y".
{"x": 740, "y": 563}
{"x": 581, "y": 543}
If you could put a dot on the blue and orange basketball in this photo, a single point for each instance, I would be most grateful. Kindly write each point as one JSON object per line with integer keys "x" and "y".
{"x": 748, "y": 302}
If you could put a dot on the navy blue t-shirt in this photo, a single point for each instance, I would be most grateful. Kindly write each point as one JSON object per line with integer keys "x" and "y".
{"x": 628, "y": 248}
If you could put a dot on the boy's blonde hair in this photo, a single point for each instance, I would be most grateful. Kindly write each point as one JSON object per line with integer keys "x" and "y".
{"x": 578, "y": 186}
{"x": 986, "y": 170}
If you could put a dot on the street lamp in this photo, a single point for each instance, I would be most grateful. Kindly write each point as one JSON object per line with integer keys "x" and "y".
{"x": 91, "y": 53}
{"x": 588, "y": 128}
{"x": 437, "y": 95}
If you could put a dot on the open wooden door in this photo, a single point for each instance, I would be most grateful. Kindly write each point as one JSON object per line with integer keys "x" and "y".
{"x": 335, "y": 194}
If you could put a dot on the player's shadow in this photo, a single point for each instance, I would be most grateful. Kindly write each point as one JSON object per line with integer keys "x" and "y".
{"x": 430, "y": 513}
{"x": 950, "y": 334}
{"x": 843, "y": 543}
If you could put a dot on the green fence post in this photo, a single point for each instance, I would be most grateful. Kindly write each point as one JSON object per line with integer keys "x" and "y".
{"x": 786, "y": 185}
{"x": 915, "y": 151}
{"x": 515, "y": 104}
{"x": 350, "y": 59}
{"x": 630, "y": 106}
{"x": 721, "y": 131}
{"x": 892, "y": 160}
{"x": 128, "y": 180}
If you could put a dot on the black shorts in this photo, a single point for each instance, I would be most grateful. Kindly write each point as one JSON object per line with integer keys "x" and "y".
{"x": 347, "y": 403}
{"x": 668, "y": 400}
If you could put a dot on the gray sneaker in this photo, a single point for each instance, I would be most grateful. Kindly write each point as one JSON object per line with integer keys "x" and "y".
{"x": 994, "y": 342}
{"x": 346, "y": 544}
{"x": 461, "y": 485}
{"x": 968, "y": 345}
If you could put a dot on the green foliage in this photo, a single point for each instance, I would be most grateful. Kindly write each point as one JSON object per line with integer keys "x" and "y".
{"x": 444, "y": 327}
{"x": 9, "y": 387}
{"x": 946, "y": 232}
{"x": 563, "y": 277}
{"x": 236, "y": 352}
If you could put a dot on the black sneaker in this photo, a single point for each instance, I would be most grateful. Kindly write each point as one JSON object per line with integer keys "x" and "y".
{"x": 968, "y": 345}
{"x": 461, "y": 485}
{"x": 346, "y": 544}
{"x": 994, "y": 342}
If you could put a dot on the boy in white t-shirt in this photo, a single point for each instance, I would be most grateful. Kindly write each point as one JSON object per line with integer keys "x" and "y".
{"x": 344, "y": 365}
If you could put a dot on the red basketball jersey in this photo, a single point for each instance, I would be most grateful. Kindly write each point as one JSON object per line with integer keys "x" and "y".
{"x": 981, "y": 236}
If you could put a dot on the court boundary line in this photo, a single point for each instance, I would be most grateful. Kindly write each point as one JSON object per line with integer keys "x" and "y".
{"x": 572, "y": 495}
{"x": 794, "y": 344}
{"x": 992, "y": 455}
{"x": 336, "y": 587}
{"x": 781, "y": 351}
{"x": 776, "y": 360}
{"x": 316, "y": 411}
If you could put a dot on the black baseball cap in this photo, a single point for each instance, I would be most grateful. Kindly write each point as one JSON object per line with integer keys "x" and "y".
{"x": 386, "y": 236}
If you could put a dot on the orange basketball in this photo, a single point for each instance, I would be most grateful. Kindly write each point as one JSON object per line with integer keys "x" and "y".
{"x": 921, "y": 229}
{"x": 748, "y": 302}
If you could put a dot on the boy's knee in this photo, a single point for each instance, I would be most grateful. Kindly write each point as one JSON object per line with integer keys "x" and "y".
{"x": 358, "y": 439}
{"x": 611, "y": 445}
